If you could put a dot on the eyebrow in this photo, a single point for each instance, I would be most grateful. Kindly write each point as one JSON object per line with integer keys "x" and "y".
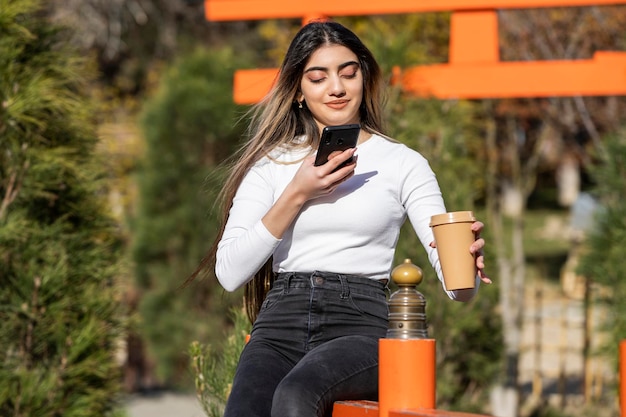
{"x": 342, "y": 66}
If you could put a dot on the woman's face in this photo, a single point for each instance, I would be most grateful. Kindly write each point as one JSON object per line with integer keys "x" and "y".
{"x": 332, "y": 86}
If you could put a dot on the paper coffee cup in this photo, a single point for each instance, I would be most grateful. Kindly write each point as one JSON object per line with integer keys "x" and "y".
{"x": 454, "y": 236}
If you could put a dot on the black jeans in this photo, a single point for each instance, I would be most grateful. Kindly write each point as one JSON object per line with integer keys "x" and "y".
{"x": 314, "y": 342}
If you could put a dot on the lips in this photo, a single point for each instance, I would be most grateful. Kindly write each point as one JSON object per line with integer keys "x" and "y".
{"x": 337, "y": 104}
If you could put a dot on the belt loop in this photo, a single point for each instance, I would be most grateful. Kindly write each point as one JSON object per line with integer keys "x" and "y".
{"x": 345, "y": 287}
{"x": 387, "y": 289}
{"x": 288, "y": 281}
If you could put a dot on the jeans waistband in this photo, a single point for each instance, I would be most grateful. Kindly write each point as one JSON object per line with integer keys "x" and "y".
{"x": 316, "y": 278}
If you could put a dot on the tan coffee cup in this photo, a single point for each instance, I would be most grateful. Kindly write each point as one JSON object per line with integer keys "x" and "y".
{"x": 454, "y": 236}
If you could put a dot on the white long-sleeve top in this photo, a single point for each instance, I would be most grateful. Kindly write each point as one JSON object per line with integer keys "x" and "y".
{"x": 354, "y": 230}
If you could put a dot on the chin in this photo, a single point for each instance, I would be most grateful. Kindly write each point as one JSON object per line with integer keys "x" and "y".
{"x": 342, "y": 121}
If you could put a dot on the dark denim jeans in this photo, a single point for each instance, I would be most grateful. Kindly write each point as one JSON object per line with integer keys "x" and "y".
{"x": 314, "y": 342}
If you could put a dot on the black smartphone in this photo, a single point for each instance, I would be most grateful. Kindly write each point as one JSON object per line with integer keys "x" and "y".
{"x": 337, "y": 138}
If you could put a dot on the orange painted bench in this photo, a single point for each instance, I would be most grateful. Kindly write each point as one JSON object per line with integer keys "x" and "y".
{"x": 370, "y": 409}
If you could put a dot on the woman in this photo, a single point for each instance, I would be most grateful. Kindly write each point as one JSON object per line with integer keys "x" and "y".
{"x": 322, "y": 239}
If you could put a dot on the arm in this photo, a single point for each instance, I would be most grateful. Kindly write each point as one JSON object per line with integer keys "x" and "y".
{"x": 246, "y": 244}
{"x": 422, "y": 198}
{"x": 256, "y": 223}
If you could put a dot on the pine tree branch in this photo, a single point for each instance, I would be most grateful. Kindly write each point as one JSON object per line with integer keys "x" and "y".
{"x": 30, "y": 328}
{"x": 13, "y": 189}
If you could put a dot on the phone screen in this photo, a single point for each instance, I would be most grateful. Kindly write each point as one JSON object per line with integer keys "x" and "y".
{"x": 337, "y": 138}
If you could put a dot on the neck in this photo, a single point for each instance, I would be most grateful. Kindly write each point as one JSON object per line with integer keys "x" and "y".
{"x": 363, "y": 136}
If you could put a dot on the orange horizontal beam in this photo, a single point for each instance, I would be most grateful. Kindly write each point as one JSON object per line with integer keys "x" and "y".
{"x": 605, "y": 74}
{"x": 370, "y": 409}
{"x": 250, "y": 86}
{"x": 431, "y": 413}
{"x": 221, "y": 10}
{"x": 355, "y": 409}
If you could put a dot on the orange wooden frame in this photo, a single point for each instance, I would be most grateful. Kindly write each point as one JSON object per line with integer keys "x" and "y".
{"x": 222, "y": 10}
{"x": 473, "y": 70}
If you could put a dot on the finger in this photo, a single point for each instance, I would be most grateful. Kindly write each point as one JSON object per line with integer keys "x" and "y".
{"x": 433, "y": 244}
{"x": 477, "y": 246}
{"x": 337, "y": 158}
{"x": 480, "y": 266}
{"x": 477, "y": 227}
{"x": 334, "y": 154}
{"x": 484, "y": 278}
{"x": 480, "y": 261}
{"x": 330, "y": 188}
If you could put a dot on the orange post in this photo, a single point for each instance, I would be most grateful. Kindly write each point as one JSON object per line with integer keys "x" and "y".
{"x": 622, "y": 377}
{"x": 474, "y": 37}
{"x": 406, "y": 375}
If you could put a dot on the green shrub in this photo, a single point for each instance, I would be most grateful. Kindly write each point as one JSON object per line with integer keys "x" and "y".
{"x": 214, "y": 369}
{"x": 61, "y": 317}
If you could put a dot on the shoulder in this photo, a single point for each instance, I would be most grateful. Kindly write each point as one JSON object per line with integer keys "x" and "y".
{"x": 396, "y": 152}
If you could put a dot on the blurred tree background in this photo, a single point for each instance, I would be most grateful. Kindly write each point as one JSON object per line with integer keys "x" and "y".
{"x": 188, "y": 129}
{"x": 143, "y": 184}
{"x": 61, "y": 254}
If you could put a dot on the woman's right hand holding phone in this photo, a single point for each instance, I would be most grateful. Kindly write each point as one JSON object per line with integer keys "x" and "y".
{"x": 316, "y": 181}
{"x": 308, "y": 183}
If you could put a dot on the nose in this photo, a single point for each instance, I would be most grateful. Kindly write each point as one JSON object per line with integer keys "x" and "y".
{"x": 337, "y": 88}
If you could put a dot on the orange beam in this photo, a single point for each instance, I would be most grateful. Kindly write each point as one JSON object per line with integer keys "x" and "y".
{"x": 220, "y": 10}
{"x": 431, "y": 413}
{"x": 605, "y": 74}
{"x": 370, "y": 409}
{"x": 250, "y": 86}
{"x": 355, "y": 409}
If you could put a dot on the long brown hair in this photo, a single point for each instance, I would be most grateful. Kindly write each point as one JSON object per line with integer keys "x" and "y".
{"x": 277, "y": 120}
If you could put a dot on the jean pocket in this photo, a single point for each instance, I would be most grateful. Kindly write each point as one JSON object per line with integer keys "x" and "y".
{"x": 371, "y": 305}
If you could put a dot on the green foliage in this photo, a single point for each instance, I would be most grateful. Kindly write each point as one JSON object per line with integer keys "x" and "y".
{"x": 214, "y": 369}
{"x": 395, "y": 40}
{"x": 190, "y": 126}
{"x": 603, "y": 259}
{"x": 405, "y": 40}
{"x": 60, "y": 315}
{"x": 448, "y": 134}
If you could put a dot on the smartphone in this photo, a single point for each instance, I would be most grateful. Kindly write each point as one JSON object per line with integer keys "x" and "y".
{"x": 337, "y": 138}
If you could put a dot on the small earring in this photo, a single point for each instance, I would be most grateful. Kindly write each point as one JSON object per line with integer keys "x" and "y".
{"x": 299, "y": 104}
